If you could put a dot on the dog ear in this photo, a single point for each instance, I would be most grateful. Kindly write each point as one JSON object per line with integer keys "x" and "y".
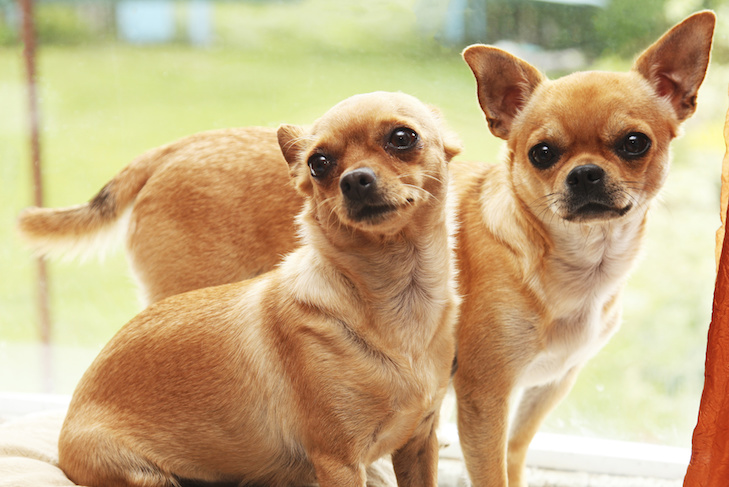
{"x": 504, "y": 84}
{"x": 676, "y": 64}
{"x": 451, "y": 144}
{"x": 292, "y": 140}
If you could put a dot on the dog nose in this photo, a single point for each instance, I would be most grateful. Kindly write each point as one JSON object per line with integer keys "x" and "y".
{"x": 585, "y": 177}
{"x": 359, "y": 183}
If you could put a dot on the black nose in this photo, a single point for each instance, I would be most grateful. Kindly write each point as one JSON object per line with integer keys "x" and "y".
{"x": 358, "y": 184}
{"x": 585, "y": 177}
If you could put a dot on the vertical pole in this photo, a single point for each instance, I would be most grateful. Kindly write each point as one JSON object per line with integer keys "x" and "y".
{"x": 454, "y": 29}
{"x": 29, "y": 56}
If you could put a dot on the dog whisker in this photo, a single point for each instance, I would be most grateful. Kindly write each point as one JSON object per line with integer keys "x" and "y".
{"x": 427, "y": 175}
{"x": 296, "y": 140}
{"x": 546, "y": 204}
{"x": 421, "y": 190}
{"x": 638, "y": 187}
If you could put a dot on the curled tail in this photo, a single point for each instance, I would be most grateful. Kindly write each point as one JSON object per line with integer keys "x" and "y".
{"x": 90, "y": 227}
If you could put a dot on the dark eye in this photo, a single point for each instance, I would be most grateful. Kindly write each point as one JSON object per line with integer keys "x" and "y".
{"x": 543, "y": 156}
{"x": 319, "y": 165}
{"x": 633, "y": 145}
{"x": 402, "y": 138}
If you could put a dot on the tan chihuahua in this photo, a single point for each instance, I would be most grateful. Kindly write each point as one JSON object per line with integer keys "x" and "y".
{"x": 547, "y": 241}
{"x": 186, "y": 208}
{"x": 545, "y": 245}
{"x": 312, "y": 371}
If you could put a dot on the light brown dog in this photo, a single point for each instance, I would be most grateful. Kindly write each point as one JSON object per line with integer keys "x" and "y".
{"x": 547, "y": 241}
{"x": 312, "y": 371}
{"x": 545, "y": 245}
{"x": 193, "y": 202}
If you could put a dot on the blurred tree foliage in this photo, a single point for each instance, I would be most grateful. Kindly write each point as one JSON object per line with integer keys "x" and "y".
{"x": 61, "y": 22}
{"x": 619, "y": 28}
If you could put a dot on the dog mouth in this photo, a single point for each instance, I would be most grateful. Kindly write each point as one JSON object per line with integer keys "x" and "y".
{"x": 371, "y": 213}
{"x": 597, "y": 211}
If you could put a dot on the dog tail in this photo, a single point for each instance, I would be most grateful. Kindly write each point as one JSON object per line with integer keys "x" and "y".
{"x": 92, "y": 227}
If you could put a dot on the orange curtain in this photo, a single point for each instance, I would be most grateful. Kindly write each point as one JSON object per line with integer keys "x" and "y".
{"x": 724, "y": 191}
{"x": 709, "y": 465}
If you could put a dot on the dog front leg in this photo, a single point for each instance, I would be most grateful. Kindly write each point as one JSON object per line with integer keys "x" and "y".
{"x": 333, "y": 472}
{"x": 416, "y": 463}
{"x": 482, "y": 427}
{"x": 534, "y": 406}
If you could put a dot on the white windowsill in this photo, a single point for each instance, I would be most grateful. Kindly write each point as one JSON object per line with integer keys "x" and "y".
{"x": 591, "y": 455}
{"x": 15, "y": 404}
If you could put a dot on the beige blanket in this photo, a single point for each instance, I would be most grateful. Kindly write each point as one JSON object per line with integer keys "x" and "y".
{"x": 29, "y": 451}
{"x": 29, "y": 454}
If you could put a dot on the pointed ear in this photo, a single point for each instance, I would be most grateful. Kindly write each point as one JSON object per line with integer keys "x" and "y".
{"x": 505, "y": 83}
{"x": 676, "y": 64}
{"x": 292, "y": 140}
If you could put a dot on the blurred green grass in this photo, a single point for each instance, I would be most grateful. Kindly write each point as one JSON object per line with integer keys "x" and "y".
{"x": 103, "y": 105}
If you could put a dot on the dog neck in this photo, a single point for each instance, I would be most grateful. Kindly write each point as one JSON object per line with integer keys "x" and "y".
{"x": 394, "y": 289}
{"x": 585, "y": 264}
{"x": 577, "y": 264}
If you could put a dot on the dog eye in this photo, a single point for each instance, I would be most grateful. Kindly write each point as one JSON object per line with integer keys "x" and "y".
{"x": 633, "y": 145}
{"x": 543, "y": 156}
{"x": 402, "y": 138}
{"x": 319, "y": 165}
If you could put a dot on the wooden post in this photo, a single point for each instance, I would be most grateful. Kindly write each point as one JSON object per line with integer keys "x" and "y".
{"x": 29, "y": 56}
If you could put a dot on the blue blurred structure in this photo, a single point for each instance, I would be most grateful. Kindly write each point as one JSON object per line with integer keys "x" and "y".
{"x": 199, "y": 23}
{"x": 145, "y": 21}
{"x": 153, "y": 21}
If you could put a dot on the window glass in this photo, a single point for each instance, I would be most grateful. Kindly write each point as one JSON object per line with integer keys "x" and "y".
{"x": 118, "y": 78}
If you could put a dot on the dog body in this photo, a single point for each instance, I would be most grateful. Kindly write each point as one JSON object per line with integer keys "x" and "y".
{"x": 313, "y": 371}
{"x": 214, "y": 179}
{"x": 195, "y": 186}
{"x": 544, "y": 243}
{"x": 547, "y": 241}
{"x": 550, "y": 308}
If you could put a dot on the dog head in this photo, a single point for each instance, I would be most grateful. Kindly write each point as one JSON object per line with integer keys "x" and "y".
{"x": 371, "y": 162}
{"x": 593, "y": 146}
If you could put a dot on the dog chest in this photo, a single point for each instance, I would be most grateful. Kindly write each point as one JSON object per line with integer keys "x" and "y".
{"x": 580, "y": 293}
{"x": 568, "y": 342}
{"x": 412, "y": 412}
